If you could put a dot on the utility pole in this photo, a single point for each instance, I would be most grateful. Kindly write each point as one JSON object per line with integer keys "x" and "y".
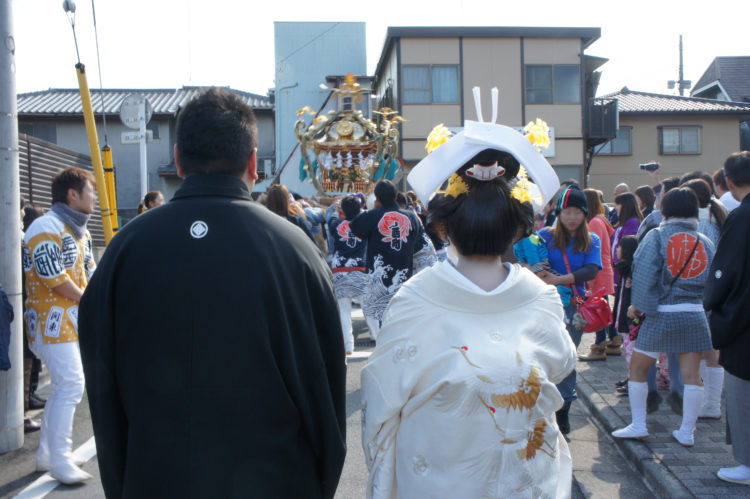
{"x": 682, "y": 84}
{"x": 11, "y": 382}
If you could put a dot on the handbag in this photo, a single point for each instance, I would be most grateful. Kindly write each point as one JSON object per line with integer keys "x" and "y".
{"x": 594, "y": 308}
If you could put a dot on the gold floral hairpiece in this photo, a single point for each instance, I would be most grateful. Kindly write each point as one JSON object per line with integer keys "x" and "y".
{"x": 438, "y": 136}
{"x": 538, "y": 133}
{"x": 456, "y": 186}
{"x": 522, "y": 190}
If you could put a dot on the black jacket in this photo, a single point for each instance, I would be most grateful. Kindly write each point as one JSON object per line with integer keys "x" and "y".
{"x": 212, "y": 350}
{"x": 727, "y": 294}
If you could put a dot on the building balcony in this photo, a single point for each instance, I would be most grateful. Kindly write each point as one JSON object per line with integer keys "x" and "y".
{"x": 601, "y": 121}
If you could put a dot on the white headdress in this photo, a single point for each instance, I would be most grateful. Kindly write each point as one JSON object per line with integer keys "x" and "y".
{"x": 438, "y": 166}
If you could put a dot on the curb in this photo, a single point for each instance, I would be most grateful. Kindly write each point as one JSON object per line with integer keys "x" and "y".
{"x": 657, "y": 475}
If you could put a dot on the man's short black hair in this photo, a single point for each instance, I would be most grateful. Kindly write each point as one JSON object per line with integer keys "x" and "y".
{"x": 737, "y": 168}
{"x": 70, "y": 178}
{"x": 351, "y": 206}
{"x": 385, "y": 192}
{"x": 216, "y": 133}
{"x": 680, "y": 203}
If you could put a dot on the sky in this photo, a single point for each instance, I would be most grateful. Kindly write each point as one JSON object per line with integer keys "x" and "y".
{"x": 172, "y": 43}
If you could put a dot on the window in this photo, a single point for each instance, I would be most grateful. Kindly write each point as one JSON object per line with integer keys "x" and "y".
{"x": 154, "y": 127}
{"x": 46, "y": 132}
{"x": 430, "y": 84}
{"x": 680, "y": 139}
{"x": 620, "y": 145}
{"x": 553, "y": 84}
{"x": 347, "y": 103}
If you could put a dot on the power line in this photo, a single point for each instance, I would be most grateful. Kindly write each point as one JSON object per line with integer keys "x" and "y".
{"x": 308, "y": 43}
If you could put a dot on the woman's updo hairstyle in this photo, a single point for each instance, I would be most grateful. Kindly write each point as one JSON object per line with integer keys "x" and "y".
{"x": 484, "y": 220}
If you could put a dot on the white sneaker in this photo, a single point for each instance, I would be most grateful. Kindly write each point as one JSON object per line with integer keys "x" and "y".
{"x": 707, "y": 412}
{"x": 685, "y": 439}
{"x": 69, "y": 474}
{"x": 738, "y": 474}
{"x": 630, "y": 432}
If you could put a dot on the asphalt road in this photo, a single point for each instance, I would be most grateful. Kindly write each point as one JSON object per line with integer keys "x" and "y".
{"x": 598, "y": 470}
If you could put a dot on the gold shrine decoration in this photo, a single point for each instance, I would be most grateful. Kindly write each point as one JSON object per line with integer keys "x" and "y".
{"x": 344, "y": 151}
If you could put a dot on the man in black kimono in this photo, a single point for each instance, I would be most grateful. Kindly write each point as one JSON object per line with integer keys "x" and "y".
{"x": 395, "y": 237}
{"x": 727, "y": 296}
{"x": 210, "y": 335}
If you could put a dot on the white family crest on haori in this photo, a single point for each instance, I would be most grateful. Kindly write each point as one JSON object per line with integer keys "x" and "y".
{"x": 436, "y": 167}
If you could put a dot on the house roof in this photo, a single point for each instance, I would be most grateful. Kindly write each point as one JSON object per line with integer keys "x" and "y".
{"x": 732, "y": 74}
{"x": 633, "y": 102}
{"x": 67, "y": 101}
{"x": 588, "y": 35}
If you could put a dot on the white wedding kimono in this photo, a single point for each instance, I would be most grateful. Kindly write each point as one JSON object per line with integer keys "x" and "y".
{"x": 459, "y": 397}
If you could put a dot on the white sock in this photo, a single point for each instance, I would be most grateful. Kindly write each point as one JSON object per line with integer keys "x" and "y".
{"x": 637, "y": 393}
{"x": 702, "y": 371}
{"x": 692, "y": 399}
{"x": 713, "y": 384}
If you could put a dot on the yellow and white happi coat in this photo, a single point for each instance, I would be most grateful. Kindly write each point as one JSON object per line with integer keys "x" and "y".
{"x": 52, "y": 254}
{"x": 459, "y": 397}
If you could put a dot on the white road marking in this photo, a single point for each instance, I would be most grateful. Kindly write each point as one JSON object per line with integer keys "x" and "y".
{"x": 46, "y": 484}
{"x": 359, "y": 355}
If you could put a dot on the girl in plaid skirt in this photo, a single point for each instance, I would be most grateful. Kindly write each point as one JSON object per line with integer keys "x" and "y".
{"x": 670, "y": 270}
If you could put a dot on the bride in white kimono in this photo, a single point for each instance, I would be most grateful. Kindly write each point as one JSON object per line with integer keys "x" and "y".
{"x": 459, "y": 396}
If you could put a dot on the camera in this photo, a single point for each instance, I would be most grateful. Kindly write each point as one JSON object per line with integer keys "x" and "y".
{"x": 649, "y": 167}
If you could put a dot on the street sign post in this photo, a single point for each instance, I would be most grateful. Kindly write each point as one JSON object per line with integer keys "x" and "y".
{"x": 135, "y": 112}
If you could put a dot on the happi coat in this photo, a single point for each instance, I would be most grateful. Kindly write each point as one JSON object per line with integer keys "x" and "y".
{"x": 347, "y": 259}
{"x": 212, "y": 350}
{"x": 395, "y": 241}
{"x": 459, "y": 396}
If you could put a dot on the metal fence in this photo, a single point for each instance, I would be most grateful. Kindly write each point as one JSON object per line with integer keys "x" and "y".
{"x": 39, "y": 161}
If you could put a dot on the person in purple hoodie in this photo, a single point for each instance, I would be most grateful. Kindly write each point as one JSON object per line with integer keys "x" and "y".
{"x": 628, "y": 219}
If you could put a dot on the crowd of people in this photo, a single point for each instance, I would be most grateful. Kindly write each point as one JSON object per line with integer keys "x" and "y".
{"x": 473, "y": 296}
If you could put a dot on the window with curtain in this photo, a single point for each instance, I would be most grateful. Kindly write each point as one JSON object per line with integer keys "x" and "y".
{"x": 620, "y": 145}
{"x": 430, "y": 84}
{"x": 553, "y": 84}
{"x": 680, "y": 140}
{"x": 416, "y": 84}
{"x": 445, "y": 84}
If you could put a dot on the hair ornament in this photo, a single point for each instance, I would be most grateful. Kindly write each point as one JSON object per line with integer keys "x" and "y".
{"x": 538, "y": 134}
{"x": 525, "y": 191}
{"x": 447, "y": 153}
{"x": 438, "y": 136}
{"x": 485, "y": 172}
{"x": 456, "y": 186}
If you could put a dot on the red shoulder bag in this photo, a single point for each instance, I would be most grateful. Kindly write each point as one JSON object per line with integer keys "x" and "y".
{"x": 594, "y": 308}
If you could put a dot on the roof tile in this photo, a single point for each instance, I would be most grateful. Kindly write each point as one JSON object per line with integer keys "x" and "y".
{"x": 59, "y": 101}
{"x": 633, "y": 102}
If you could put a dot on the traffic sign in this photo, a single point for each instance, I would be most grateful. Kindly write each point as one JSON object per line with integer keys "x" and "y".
{"x": 131, "y": 110}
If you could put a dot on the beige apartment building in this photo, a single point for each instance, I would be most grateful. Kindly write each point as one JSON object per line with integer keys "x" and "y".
{"x": 427, "y": 75}
{"x": 684, "y": 134}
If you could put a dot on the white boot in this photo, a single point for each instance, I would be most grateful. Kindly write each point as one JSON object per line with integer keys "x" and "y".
{"x": 374, "y": 326}
{"x": 69, "y": 474}
{"x": 637, "y": 393}
{"x": 713, "y": 383}
{"x": 692, "y": 399}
